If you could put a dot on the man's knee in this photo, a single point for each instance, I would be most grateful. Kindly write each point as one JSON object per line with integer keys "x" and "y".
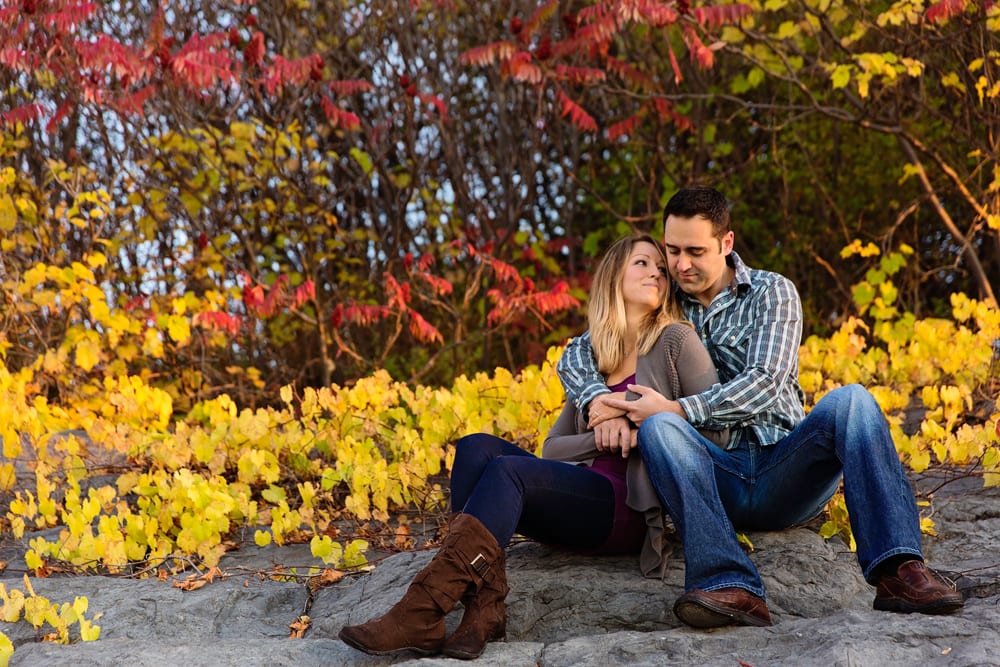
{"x": 664, "y": 425}
{"x": 854, "y": 399}
{"x": 668, "y": 435}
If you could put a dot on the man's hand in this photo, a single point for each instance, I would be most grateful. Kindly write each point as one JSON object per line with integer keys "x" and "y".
{"x": 649, "y": 403}
{"x": 601, "y": 412}
{"x": 614, "y": 435}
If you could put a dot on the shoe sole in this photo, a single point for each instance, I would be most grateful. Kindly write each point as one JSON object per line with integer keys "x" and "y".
{"x": 703, "y": 615}
{"x": 904, "y": 607}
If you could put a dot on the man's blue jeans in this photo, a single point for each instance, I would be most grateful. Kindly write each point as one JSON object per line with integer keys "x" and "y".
{"x": 710, "y": 493}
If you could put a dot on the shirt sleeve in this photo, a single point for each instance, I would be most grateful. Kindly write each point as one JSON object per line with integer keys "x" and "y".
{"x": 568, "y": 439}
{"x": 577, "y": 369}
{"x": 770, "y": 347}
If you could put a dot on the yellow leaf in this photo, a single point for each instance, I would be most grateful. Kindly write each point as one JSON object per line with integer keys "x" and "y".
{"x": 8, "y": 476}
{"x": 88, "y": 353}
{"x": 262, "y": 538}
{"x": 8, "y": 213}
{"x": 152, "y": 344}
{"x": 13, "y": 604}
{"x": 88, "y": 631}
{"x": 179, "y": 328}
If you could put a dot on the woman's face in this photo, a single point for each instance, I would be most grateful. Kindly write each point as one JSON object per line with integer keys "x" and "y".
{"x": 644, "y": 281}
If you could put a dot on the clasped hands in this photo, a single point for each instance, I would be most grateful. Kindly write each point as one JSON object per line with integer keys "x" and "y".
{"x": 615, "y": 421}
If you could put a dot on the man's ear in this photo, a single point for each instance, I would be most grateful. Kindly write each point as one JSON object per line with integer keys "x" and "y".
{"x": 727, "y": 242}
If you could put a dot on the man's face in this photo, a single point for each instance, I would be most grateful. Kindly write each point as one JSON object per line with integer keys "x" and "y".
{"x": 696, "y": 258}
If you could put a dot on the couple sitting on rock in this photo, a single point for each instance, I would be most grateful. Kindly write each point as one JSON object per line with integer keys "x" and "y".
{"x": 684, "y": 396}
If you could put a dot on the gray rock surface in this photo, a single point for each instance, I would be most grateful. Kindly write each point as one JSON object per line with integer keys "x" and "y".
{"x": 564, "y": 609}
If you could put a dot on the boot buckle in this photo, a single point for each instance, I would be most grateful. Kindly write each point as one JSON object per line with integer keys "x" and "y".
{"x": 480, "y": 564}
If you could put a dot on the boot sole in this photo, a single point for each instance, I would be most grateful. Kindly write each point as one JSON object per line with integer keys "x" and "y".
{"x": 701, "y": 615}
{"x": 353, "y": 643}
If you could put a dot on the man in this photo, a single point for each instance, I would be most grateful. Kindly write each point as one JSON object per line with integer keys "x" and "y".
{"x": 780, "y": 466}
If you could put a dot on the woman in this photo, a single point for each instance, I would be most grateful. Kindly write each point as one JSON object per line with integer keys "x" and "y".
{"x": 586, "y": 493}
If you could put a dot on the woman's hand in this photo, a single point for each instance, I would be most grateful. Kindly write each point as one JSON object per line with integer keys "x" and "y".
{"x": 615, "y": 435}
{"x": 601, "y": 411}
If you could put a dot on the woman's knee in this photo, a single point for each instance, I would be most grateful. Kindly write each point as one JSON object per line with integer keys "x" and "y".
{"x": 478, "y": 446}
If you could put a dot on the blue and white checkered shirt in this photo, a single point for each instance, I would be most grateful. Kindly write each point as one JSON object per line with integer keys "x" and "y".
{"x": 752, "y": 331}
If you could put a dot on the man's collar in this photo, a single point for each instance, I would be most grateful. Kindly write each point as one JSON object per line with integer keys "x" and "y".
{"x": 741, "y": 274}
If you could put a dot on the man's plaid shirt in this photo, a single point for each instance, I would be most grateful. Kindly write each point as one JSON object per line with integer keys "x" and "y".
{"x": 752, "y": 331}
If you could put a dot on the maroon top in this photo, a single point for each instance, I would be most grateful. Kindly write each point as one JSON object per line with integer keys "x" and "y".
{"x": 629, "y": 527}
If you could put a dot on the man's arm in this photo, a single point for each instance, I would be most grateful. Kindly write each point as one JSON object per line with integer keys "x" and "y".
{"x": 578, "y": 373}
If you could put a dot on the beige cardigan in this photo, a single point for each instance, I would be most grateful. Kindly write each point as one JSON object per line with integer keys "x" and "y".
{"x": 678, "y": 365}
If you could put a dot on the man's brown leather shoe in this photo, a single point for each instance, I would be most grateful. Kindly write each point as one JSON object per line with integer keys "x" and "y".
{"x": 726, "y": 606}
{"x": 914, "y": 589}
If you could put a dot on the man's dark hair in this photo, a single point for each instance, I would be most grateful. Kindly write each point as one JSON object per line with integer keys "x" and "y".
{"x": 700, "y": 200}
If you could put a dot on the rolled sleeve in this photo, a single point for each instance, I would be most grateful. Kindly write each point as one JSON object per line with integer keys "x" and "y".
{"x": 577, "y": 369}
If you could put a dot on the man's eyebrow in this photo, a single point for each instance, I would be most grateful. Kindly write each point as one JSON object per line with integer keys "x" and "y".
{"x": 687, "y": 247}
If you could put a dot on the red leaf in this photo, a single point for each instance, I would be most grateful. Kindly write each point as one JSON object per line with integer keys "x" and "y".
{"x": 71, "y": 16}
{"x": 623, "y": 127}
{"x": 582, "y": 75}
{"x": 554, "y": 300}
{"x": 339, "y": 117}
{"x": 366, "y": 315}
{"x": 504, "y": 271}
{"x": 542, "y": 14}
{"x": 521, "y": 68}
{"x": 719, "y": 15}
{"x": 19, "y": 59}
{"x": 22, "y": 114}
{"x": 61, "y": 113}
{"x": 436, "y": 102}
{"x": 580, "y": 118}
{"x": 439, "y": 285}
{"x": 423, "y": 330}
{"x": 658, "y": 15}
{"x": 216, "y": 320}
{"x": 350, "y": 86}
{"x": 944, "y": 10}
{"x": 487, "y": 54}
{"x": 200, "y": 65}
{"x": 701, "y": 53}
{"x": 285, "y": 72}
{"x": 108, "y": 54}
{"x": 303, "y": 293}
{"x": 135, "y": 102}
{"x": 253, "y": 53}
{"x": 664, "y": 109}
{"x": 600, "y": 31}
{"x": 678, "y": 77}
{"x": 631, "y": 74}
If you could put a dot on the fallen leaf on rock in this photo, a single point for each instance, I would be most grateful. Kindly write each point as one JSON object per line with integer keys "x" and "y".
{"x": 330, "y": 576}
{"x": 190, "y": 584}
{"x": 299, "y": 626}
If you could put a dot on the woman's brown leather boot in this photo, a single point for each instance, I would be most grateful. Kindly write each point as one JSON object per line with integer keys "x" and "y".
{"x": 485, "y": 617}
{"x": 468, "y": 555}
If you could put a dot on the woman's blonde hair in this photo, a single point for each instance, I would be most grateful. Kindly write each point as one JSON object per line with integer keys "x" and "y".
{"x": 606, "y": 312}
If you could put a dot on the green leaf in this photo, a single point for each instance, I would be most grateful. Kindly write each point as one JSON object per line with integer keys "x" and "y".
{"x": 363, "y": 159}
